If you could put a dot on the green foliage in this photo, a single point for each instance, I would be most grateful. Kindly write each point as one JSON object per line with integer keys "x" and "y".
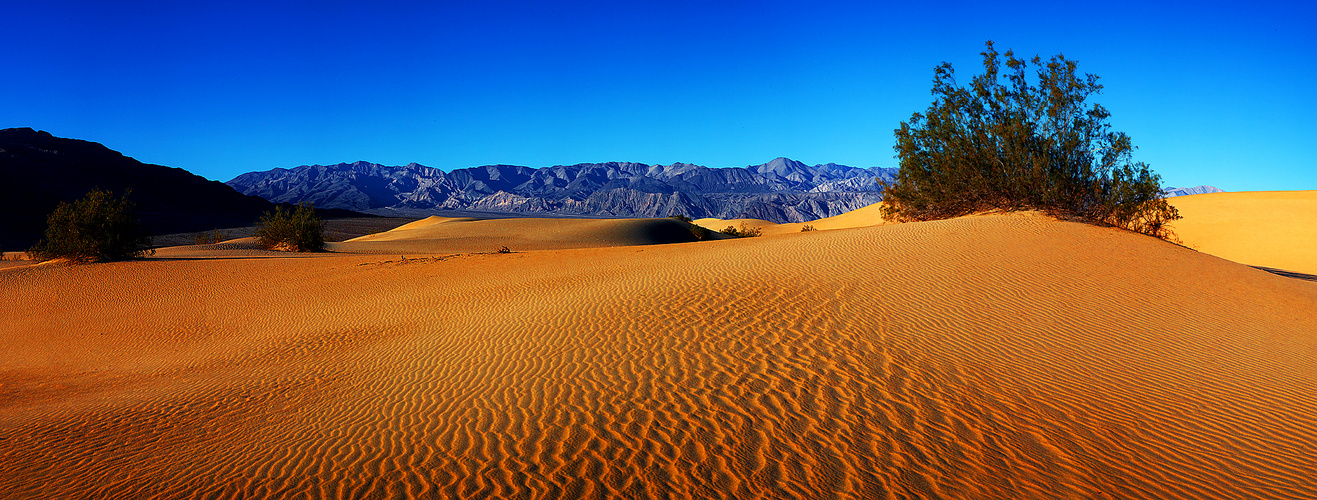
{"x": 744, "y": 232}
{"x": 807, "y": 228}
{"x": 700, "y": 232}
{"x": 1013, "y": 145}
{"x": 96, "y": 228}
{"x": 297, "y": 230}
{"x": 208, "y": 237}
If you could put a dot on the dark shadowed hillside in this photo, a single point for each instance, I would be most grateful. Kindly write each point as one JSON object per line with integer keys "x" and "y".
{"x": 38, "y": 170}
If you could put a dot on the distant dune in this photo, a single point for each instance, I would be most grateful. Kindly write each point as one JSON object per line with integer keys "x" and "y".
{"x": 981, "y": 357}
{"x": 435, "y": 235}
{"x": 864, "y": 217}
{"x": 1276, "y": 229}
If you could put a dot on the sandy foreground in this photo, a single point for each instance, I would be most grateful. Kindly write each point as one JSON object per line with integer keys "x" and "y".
{"x": 1007, "y": 356}
{"x": 1275, "y": 229}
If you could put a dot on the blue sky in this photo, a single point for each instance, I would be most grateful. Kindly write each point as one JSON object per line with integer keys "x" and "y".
{"x": 1220, "y": 94}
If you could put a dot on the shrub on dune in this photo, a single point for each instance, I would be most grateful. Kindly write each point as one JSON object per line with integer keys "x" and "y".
{"x": 210, "y": 237}
{"x": 97, "y": 228}
{"x": 295, "y": 230}
{"x": 744, "y": 232}
{"x": 1020, "y": 146}
{"x": 700, "y": 232}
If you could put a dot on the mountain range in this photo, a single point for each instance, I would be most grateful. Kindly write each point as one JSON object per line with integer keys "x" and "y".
{"x": 782, "y": 190}
{"x": 1172, "y": 192}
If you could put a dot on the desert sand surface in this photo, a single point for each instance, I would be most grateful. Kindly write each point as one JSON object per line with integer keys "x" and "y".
{"x": 1275, "y": 229}
{"x": 863, "y": 217}
{"x": 983, "y": 357}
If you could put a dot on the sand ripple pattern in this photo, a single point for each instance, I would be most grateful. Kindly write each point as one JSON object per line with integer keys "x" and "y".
{"x": 988, "y": 357}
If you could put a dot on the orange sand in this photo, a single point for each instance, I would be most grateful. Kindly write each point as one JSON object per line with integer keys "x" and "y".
{"x": 981, "y": 357}
{"x": 863, "y": 217}
{"x": 1275, "y": 229}
{"x": 435, "y": 235}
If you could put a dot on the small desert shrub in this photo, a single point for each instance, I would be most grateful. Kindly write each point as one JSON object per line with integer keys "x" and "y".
{"x": 744, "y": 232}
{"x": 98, "y": 227}
{"x": 700, "y": 232}
{"x": 807, "y": 228}
{"x": 503, "y": 249}
{"x": 208, "y": 237}
{"x": 296, "y": 230}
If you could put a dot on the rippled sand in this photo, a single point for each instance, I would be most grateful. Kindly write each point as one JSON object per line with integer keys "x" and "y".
{"x": 982, "y": 357}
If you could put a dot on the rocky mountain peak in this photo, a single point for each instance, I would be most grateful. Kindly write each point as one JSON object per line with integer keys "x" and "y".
{"x": 782, "y": 188}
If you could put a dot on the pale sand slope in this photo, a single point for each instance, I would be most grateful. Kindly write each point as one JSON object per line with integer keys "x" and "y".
{"x": 862, "y": 217}
{"x": 1275, "y": 229}
{"x": 713, "y": 224}
{"x": 236, "y": 248}
{"x": 439, "y": 235}
{"x": 983, "y": 357}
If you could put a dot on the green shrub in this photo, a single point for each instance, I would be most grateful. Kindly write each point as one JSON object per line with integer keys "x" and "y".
{"x": 1020, "y": 146}
{"x": 296, "y": 230}
{"x": 744, "y": 232}
{"x": 96, "y": 228}
{"x": 209, "y": 237}
{"x": 701, "y": 233}
{"x": 807, "y": 228}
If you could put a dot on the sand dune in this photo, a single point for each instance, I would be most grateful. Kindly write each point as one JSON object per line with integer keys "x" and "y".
{"x": 440, "y": 235}
{"x": 982, "y": 357}
{"x": 863, "y": 217}
{"x": 1276, "y": 229}
{"x": 338, "y": 229}
{"x": 720, "y": 224}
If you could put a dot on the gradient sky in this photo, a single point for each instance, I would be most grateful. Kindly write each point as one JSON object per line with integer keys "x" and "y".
{"x": 1218, "y": 94}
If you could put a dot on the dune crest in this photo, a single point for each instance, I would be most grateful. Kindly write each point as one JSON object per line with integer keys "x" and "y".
{"x": 981, "y": 357}
{"x": 436, "y": 235}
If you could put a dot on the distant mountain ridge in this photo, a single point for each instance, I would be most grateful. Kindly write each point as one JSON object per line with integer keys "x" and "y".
{"x": 782, "y": 190}
{"x": 1172, "y": 192}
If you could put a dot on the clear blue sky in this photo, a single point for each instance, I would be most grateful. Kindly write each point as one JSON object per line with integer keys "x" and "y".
{"x": 1220, "y": 94}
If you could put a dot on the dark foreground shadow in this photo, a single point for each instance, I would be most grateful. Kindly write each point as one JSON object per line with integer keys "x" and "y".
{"x": 1288, "y": 274}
